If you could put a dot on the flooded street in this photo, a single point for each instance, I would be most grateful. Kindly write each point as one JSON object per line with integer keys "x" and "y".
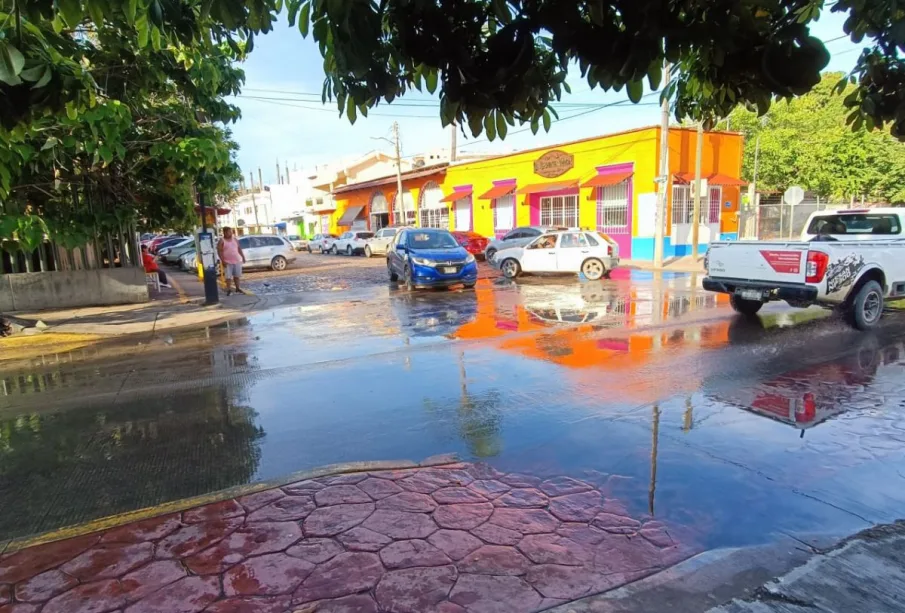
{"x": 735, "y": 429}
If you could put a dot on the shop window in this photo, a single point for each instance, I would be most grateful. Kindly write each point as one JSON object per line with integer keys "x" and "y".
{"x": 612, "y": 208}
{"x": 404, "y": 215}
{"x": 504, "y": 213}
{"x": 560, "y": 211}
{"x": 683, "y": 205}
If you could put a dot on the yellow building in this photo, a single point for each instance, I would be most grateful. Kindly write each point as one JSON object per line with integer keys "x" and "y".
{"x": 606, "y": 183}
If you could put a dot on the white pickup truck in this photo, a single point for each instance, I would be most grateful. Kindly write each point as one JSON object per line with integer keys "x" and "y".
{"x": 851, "y": 260}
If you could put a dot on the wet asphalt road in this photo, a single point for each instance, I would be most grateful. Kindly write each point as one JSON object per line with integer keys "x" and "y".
{"x": 737, "y": 429}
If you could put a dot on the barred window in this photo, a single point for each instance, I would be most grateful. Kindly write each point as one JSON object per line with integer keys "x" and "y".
{"x": 612, "y": 208}
{"x": 559, "y": 211}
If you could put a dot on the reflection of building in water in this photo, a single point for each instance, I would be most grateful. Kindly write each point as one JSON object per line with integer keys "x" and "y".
{"x": 591, "y": 350}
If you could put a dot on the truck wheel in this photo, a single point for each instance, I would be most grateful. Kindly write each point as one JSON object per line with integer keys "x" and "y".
{"x": 745, "y": 307}
{"x": 867, "y": 307}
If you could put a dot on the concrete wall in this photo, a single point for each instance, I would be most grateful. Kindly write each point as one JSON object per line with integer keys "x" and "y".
{"x": 73, "y": 288}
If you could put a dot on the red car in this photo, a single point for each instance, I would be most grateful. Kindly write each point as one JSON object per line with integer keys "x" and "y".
{"x": 474, "y": 243}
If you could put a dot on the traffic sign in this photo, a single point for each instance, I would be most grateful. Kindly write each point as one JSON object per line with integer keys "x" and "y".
{"x": 794, "y": 195}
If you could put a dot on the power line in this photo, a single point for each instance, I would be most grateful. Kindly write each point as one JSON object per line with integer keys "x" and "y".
{"x": 415, "y": 104}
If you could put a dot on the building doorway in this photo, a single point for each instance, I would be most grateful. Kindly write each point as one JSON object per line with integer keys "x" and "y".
{"x": 614, "y": 215}
{"x": 379, "y": 211}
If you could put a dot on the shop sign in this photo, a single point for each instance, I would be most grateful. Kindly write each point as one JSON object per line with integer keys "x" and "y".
{"x": 554, "y": 164}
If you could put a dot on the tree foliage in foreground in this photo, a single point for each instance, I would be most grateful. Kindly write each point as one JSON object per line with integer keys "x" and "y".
{"x": 807, "y": 142}
{"x": 107, "y": 120}
{"x": 497, "y": 62}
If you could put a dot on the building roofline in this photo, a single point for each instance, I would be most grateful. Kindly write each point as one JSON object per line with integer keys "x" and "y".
{"x": 409, "y": 174}
{"x": 591, "y": 138}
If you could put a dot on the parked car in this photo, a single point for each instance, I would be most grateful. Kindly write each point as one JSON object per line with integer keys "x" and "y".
{"x": 298, "y": 243}
{"x": 427, "y": 257}
{"x": 170, "y": 255}
{"x": 187, "y": 262}
{"x": 321, "y": 243}
{"x": 518, "y": 237}
{"x": 593, "y": 254}
{"x": 474, "y": 243}
{"x": 379, "y": 244}
{"x": 267, "y": 251}
{"x": 167, "y": 241}
{"x": 850, "y": 274}
{"x": 352, "y": 242}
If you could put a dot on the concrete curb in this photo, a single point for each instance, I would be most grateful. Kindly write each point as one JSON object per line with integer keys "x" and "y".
{"x": 176, "y": 506}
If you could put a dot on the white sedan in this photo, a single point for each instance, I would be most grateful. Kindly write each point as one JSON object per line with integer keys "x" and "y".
{"x": 350, "y": 243}
{"x": 592, "y": 254}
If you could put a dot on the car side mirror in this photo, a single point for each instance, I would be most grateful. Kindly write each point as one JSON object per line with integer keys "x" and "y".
{"x": 402, "y": 248}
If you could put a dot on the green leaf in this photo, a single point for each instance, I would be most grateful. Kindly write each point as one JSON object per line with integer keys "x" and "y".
{"x": 72, "y": 12}
{"x": 501, "y": 127}
{"x": 547, "y": 120}
{"x": 293, "y": 11}
{"x": 50, "y": 143}
{"x": 96, "y": 11}
{"x": 304, "y": 22}
{"x": 655, "y": 74}
{"x": 430, "y": 80}
{"x": 501, "y": 11}
{"x": 141, "y": 26}
{"x": 32, "y": 74}
{"x": 71, "y": 111}
{"x": 489, "y": 126}
{"x": 474, "y": 123}
{"x": 155, "y": 38}
{"x": 351, "y": 111}
{"x": 535, "y": 125}
{"x": 635, "y": 90}
{"x": 130, "y": 9}
{"x": 11, "y": 63}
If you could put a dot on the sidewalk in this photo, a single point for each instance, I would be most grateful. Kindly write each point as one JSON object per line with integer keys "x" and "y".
{"x": 448, "y": 538}
{"x": 685, "y": 264}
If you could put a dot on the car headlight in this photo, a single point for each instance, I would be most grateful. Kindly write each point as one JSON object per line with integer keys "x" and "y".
{"x": 469, "y": 259}
{"x": 421, "y": 261}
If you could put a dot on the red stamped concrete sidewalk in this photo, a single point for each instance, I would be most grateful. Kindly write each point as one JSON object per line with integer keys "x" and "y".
{"x": 449, "y": 539}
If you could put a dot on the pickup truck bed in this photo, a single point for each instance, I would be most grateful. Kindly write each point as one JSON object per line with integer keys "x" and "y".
{"x": 855, "y": 276}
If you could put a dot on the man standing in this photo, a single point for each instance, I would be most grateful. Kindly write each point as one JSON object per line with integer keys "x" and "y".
{"x": 232, "y": 258}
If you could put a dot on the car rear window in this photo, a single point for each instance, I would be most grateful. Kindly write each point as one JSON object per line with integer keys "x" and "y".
{"x": 365, "y": 235}
{"x": 855, "y": 223}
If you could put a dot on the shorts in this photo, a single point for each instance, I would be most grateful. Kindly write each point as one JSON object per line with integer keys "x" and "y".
{"x": 233, "y": 271}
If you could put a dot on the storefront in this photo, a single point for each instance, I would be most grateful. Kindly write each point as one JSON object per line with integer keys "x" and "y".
{"x": 607, "y": 183}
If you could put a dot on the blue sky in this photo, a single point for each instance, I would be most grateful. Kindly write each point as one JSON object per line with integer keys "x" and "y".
{"x": 279, "y": 121}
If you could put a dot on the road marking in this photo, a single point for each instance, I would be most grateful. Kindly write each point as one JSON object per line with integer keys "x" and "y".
{"x": 182, "y": 295}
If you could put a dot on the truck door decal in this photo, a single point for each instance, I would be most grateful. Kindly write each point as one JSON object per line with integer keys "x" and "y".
{"x": 843, "y": 272}
{"x": 783, "y": 261}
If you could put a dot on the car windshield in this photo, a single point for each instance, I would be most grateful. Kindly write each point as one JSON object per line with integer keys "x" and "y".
{"x": 431, "y": 240}
{"x": 848, "y": 223}
{"x": 365, "y": 235}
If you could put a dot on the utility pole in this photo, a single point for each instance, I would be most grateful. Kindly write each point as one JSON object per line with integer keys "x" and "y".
{"x": 279, "y": 177}
{"x": 287, "y": 173}
{"x": 696, "y": 219}
{"x": 660, "y": 217}
{"x": 206, "y": 248}
{"x": 452, "y": 142}
{"x": 402, "y": 215}
{"x": 261, "y": 187}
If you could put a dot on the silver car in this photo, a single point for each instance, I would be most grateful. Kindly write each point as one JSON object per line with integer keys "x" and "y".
{"x": 321, "y": 243}
{"x": 267, "y": 251}
{"x": 170, "y": 255}
{"x": 297, "y": 241}
{"x": 380, "y": 243}
{"x": 519, "y": 237}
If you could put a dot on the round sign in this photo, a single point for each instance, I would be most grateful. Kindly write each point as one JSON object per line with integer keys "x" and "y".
{"x": 794, "y": 195}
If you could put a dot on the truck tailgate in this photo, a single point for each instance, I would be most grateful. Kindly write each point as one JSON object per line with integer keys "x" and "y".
{"x": 784, "y": 262}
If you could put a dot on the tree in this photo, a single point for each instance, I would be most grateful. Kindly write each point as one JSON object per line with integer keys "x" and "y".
{"x": 107, "y": 124}
{"x": 807, "y": 142}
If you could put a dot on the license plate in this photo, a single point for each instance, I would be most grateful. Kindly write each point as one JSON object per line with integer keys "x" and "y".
{"x": 448, "y": 270}
{"x": 750, "y": 294}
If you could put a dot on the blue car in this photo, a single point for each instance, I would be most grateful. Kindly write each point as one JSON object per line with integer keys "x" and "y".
{"x": 426, "y": 257}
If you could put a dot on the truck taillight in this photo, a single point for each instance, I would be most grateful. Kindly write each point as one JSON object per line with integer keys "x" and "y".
{"x": 816, "y": 267}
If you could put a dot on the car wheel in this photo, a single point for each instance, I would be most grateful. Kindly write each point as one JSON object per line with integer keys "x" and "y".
{"x": 469, "y": 286}
{"x": 278, "y": 263}
{"x": 393, "y": 276}
{"x": 309, "y": 248}
{"x": 744, "y": 306}
{"x": 593, "y": 269}
{"x": 368, "y": 252}
{"x": 407, "y": 279}
{"x": 511, "y": 268}
{"x": 867, "y": 307}
{"x": 488, "y": 255}
{"x": 349, "y": 250}
{"x": 333, "y": 250}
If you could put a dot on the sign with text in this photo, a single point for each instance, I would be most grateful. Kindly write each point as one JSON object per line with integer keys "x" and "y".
{"x": 554, "y": 164}
{"x": 783, "y": 261}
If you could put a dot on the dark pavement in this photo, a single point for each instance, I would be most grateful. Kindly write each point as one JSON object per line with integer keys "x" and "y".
{"x": 734, "y": 430}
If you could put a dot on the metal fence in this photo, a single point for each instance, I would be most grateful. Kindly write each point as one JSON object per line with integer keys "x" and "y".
{"x": 112, "y": 250}
{"x": 777, "y": 220}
